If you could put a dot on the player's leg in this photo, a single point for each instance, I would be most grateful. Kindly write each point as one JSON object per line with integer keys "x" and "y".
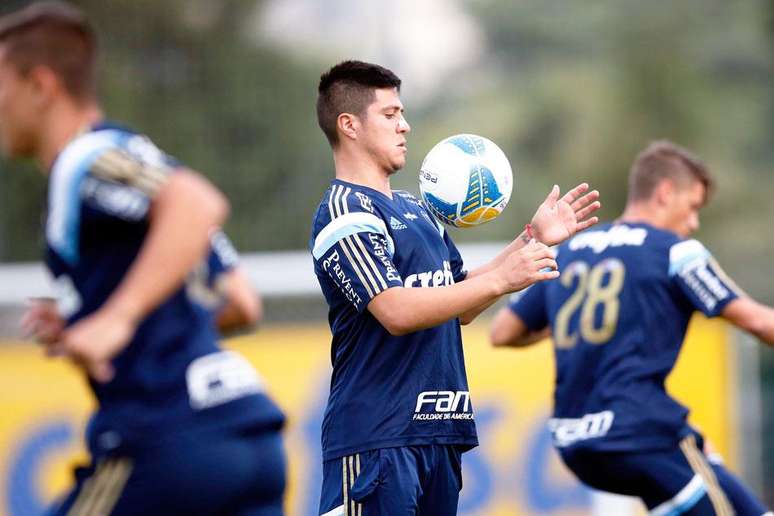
{"x": 208, "y": 473}
{"x": 442, "y": 484}
{"x": 668, "y": 482}
{"x": 375, "y": 483}
{"x": 262, "y": 492}
{"x": 96, "y": 490}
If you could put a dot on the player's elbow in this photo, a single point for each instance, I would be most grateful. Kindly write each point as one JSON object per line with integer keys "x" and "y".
{"x": 390, "y": 309}
{"x": 196, "y": 191}
{"x": 396, "y": 326}
{"x": 498, "y": 337}
{"x": 466, "y": 319}
{"x": 395, "y": 321}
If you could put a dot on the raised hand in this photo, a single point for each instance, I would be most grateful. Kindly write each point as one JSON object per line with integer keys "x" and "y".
{"x": 532, "y": 263}
{"x": 557, "y": 219}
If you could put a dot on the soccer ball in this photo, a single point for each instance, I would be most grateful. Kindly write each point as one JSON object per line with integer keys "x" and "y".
{"x": 465, "y": 180}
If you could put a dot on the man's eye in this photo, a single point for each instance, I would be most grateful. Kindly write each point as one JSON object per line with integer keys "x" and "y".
{"x": 390, "y": 115}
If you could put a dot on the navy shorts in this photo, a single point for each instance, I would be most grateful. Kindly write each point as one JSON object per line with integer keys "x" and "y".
{"x": 235, "y": 473}
{"x": 670, "y": 482}
{"x": 406, "y": 481}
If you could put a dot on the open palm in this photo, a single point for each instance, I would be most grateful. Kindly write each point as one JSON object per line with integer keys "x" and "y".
{"x": 557, "y": 219}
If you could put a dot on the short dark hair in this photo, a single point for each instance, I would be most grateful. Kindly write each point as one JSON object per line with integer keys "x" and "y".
{"x": 56, "y": 35}
{"x": 349, "y": 87}
{"x": 661, "y": 160}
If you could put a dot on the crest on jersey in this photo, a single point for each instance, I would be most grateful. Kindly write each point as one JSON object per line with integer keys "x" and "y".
{"x": 365, "y": 202}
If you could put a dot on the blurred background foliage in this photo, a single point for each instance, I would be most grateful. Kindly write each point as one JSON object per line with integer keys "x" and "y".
{"x": 570, "y": 90}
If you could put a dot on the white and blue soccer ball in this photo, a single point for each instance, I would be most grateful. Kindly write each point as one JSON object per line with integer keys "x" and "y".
{"x": 466, "y": 180}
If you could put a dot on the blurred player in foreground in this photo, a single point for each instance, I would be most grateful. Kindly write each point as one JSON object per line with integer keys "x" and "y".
{"x": 399, "y": 414}
{"x": 618, "y": 315}
{"x": 181, "y": 426}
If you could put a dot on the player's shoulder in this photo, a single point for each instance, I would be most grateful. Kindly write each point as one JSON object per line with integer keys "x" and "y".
{"x": 345, "y": 209}
{"x": 342, "y": 199}
{"x": 685, "y": 254}
{"x": 111, "y": 152}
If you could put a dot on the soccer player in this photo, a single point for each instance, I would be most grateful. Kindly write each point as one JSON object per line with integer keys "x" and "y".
{"x": 181, "y": 426}
{"x": 399, "y": 414}
{"x": 618, "y": 315}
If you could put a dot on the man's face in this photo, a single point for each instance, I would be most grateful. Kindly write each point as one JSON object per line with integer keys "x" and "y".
{"x": 682, "y": 207}
{"x": 18, "y": 114}
{"x": 384, "y": 130}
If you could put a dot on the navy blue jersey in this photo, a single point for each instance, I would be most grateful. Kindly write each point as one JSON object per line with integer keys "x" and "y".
{"x": 172, "y": 376}
{"x": 618, "y": 314}
{"x": 387, "y": 391}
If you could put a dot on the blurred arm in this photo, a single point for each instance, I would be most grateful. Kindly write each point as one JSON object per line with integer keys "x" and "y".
{"x": 752, "y": 316}
{"x": 555, "y": 220}
{"x": 185, "y": 209}
{"x": 509, "y": 330}
{"x": 243, "y": 309}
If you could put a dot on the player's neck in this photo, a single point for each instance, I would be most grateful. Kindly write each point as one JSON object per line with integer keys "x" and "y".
{"x": 362, "y": 171}
{"x": 64, "y": 122}
{"x": 643, "y": 214}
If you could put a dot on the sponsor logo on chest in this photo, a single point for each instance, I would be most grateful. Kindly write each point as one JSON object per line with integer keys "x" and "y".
{"x": 433, "y": 278}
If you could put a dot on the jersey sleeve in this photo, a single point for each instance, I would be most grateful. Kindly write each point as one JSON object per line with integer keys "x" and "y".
{"x": 530, "y": 306}
{"x": 354, "y": 249}
{"x": 122, "y": 180}
{"x": 113, "y": 172}
{"x": 700, "y": 278}
{"x": 222, "y": 258}
{"x": 204, "y": 285}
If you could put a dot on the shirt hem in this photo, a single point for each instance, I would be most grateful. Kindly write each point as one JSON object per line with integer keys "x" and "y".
{"x": 468, "y": 442}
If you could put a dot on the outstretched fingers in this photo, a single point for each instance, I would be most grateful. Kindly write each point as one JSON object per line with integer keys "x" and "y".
{"x": 585, "y": 200}
{"x": 575, "y": 193}
{"x": 587, "y": 223}
{"x": 583, "y": 213}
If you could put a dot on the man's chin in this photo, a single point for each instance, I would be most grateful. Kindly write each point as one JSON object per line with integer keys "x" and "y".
{"x": 397, "y": 167}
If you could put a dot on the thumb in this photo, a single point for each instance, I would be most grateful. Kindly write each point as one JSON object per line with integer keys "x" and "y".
{"x": 553, "y": 196}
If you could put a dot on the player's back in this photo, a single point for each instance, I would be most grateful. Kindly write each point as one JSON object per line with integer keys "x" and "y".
{"x": 172, "y": 376}
{"x": 618, "y": 314}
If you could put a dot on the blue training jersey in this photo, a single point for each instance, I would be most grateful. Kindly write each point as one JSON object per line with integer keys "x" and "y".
{"x": 618, "y": 315}
{"x": 172, "y": 377}
{"x": 387, "y": 391}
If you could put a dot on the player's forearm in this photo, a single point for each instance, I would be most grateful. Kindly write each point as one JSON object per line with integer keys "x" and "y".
{"x": 406, "y": 310}
{"x": 243, "y": 309}
{"x": 752, "y": 316}
{"x": 470, "y": 315}
{"x": 508, "y": 330}
{"x": 182, "y": 215}
{"x": 519, "y": 242}
{"x": 762, "y": 325}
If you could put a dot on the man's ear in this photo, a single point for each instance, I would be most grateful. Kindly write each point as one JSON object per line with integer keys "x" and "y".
{"x": 664, "y": 192}
{"x": 45, "y": 84}
{"x": 348, "y": 125}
